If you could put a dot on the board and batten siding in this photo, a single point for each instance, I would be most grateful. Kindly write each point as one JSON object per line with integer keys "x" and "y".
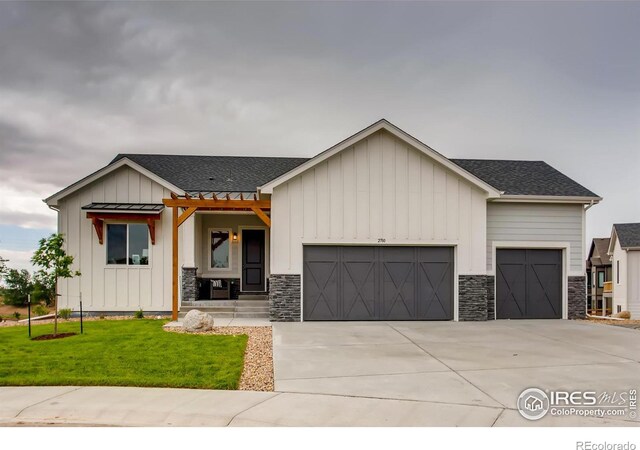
{"x": 633, "y": 283}
{"x": 109, "y": 287}
{"x": 537, "y": 222}
{"x": 380, "y": 188}
{"x": 620, "y": 258}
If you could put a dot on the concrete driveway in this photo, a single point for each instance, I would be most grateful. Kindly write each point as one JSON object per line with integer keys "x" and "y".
{"x": 467, "y": 373}
{"x": 373, "y": 374}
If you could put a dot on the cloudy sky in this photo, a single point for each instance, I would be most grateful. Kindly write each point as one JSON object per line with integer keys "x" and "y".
{"x": 81, "y": 82}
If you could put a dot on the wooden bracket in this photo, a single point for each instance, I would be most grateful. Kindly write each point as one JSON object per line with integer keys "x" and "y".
{"x": 260, "y": 213}
{"x": 98, "y": 225}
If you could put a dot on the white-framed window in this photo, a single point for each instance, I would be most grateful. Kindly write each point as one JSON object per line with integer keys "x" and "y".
{"x": 127, "y": 244}
{"x": 220, "y": 249}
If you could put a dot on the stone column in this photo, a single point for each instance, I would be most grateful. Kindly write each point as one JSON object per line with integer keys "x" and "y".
{"x": 284, "y": 297}
{"x": 189, "y": 284}
{"x": 577, "y": 298}
{"x": 472, "y": 297}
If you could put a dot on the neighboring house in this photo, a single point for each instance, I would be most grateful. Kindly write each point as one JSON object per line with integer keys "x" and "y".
{"x": 624, "y": 249}
{"x": 599, "y": 274}
{"x": 378, "y": 227}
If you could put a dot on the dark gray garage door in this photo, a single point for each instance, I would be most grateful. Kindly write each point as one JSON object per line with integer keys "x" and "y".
{"x": 529, "y": 284}
{"x": 378, "y": 283}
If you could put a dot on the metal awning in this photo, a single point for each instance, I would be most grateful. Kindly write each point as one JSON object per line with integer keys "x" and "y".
{"x": 137, "y": 208}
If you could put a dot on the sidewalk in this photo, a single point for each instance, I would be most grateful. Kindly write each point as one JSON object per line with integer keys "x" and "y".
{"x": 127, "y": 406}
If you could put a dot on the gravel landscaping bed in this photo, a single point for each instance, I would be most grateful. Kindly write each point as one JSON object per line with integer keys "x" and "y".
{"x": 628, "y": 323}
{"x": 257, "y": 374}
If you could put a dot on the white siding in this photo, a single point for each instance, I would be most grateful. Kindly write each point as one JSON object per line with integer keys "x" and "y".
{"x": 633, "y": 283}
{"x": 619, "y": 281}
{"x": 115, "y": 288}
{"x": 380, "y": 188}
{"x": 536, "y": 222}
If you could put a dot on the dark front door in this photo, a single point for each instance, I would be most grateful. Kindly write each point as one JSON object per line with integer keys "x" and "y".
{"x": 529, "y": 284}
{"x": 378, "y": 283}
{"x": 253, "y": 260}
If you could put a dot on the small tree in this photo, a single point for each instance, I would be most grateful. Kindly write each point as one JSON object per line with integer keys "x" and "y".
{"x": 17, "y": 287}
{"x": 54, "y": 263}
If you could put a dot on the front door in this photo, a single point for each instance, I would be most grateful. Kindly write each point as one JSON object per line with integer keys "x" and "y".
{"x": 253, "y": 260}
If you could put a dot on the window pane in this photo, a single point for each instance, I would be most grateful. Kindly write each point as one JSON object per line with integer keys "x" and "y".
{"x": 220, "y": 249}
{"x": 116, "y": 244}
{"x": 600, "y": 279}
{"x": 138, "y": 244}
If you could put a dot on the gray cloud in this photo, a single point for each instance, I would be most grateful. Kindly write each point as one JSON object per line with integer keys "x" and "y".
{"x": 80, "y": 82}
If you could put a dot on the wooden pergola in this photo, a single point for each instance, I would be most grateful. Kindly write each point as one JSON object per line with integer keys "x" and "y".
{"x": 184, "y": 207}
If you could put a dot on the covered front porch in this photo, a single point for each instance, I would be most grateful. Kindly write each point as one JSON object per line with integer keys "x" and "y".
{"x": 220, "y": 254}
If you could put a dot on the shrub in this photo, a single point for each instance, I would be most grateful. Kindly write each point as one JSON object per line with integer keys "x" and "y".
{"x": 65, "y": 313}
{"x": 40, "y": 310}
{"x": 139, "y": 314}
{"x": 17, "y": 315}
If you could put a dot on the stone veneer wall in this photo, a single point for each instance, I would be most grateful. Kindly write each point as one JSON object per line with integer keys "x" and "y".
{"x": 472, "y": 297}
{"x": 284, "y": 298}
{"x": 189, "y": 284}
{"x": 491, "y": 297}
{"x": 577, "y": 298}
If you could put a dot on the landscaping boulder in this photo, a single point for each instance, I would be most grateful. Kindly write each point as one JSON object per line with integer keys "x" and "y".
{"x": 197, "y": 321}
{"x": 622, "y": 315}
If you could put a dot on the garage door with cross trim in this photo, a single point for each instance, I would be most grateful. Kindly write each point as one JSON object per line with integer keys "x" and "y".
{"x": 528, "y": 284}
{"x": 377, "y": 283}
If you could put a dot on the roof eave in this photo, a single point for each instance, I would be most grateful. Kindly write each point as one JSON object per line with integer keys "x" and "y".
{"x": 548, "y": 199}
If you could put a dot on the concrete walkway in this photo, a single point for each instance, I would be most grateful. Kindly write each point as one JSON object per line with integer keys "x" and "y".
{"x": 372, "y": 374}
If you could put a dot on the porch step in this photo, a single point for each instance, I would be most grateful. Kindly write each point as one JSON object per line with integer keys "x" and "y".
{"x": 199, "y": 304}
{"x": 251, "y": 303}
{"x": 229, "y": 309}
{"x": 252, "y": 315}
{"x": 253, "y": 297}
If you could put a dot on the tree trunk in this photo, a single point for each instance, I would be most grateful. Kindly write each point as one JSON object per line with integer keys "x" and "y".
{"x": 55, "y": 308}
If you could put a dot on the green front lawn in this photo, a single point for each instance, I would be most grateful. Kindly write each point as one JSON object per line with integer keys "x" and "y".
{"x": 120, "y": 353}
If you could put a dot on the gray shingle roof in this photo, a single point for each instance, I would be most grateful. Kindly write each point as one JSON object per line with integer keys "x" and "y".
{"x": 215, "y": 173}
{"x": 247, "y": 173}
{"x": 598, "y": 253}
{"x": 628, "y": 234}
{"x": 524, "y": 177}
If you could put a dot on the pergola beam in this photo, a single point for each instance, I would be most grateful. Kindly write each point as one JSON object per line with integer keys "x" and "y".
{"x": 217, "y": 203}
{"x": 191, "y": 205}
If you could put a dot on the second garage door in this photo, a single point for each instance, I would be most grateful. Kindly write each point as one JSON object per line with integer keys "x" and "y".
{"x": 528, "y": 284}
{"x": 377, "y": 283}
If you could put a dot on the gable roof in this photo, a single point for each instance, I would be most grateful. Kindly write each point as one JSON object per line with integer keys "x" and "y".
{"x": 598, "y": 253}
{"x": 506, "y": 180}
{"x": 215, "y": 173}
{"x": 382, "y": 124}
{"x": 628, "y": 235}
{"x": 524, "y": 178}
{"x": 52, "y": 200}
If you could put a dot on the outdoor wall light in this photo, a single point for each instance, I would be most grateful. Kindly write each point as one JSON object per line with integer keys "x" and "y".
{"x": 235, "y": 237}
